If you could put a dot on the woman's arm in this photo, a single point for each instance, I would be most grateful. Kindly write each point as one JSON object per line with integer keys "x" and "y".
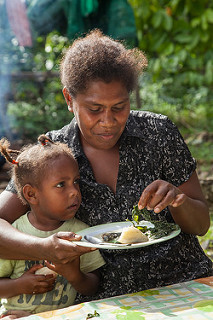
{"x": 58, "y": 248}
{"x": 17, "y": 245}
{"x": 11, "y": 207}
{"x": 186, "y": 203}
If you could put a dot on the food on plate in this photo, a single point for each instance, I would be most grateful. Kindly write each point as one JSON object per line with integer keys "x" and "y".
{"x": 132, "y": 235}
{"x": 161, "y": 228}
{"x": 110, "y": 236}
{"x": 45, "y": 271}
{"x": 143, "y": 229}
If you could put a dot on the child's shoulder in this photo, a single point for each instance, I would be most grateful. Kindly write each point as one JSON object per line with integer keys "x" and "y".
{"x": 74, "y": 225}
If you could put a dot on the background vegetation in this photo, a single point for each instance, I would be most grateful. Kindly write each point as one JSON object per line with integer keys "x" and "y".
{"x": 177, "y": 37}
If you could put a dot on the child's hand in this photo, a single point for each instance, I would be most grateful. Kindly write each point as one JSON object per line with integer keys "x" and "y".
{"x": 160, "y": 194}
{"x": 31, "y": 283}
{"x": 67, "y": 270}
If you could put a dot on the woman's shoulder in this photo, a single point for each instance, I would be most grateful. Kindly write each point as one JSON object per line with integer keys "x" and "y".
{"x": 62, "y": 134}
{"x": 146, "y": 122}
{"x": 147, "y": 117}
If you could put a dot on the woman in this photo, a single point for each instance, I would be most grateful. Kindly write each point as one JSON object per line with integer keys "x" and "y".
{"x": 124, "y": 158}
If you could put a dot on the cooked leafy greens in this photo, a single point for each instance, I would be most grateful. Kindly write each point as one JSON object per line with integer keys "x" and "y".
{"x": 161, "y": 228}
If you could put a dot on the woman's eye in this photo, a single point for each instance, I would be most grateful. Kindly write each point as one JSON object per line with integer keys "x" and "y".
{"x": 117, "y": 109}
{"x": 94, "y": 110}
{"x": 60, "y": 185}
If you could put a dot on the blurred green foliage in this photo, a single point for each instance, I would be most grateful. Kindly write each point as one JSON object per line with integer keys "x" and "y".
{"x": 38, "y": 105}
{"x": 177, "y": 36}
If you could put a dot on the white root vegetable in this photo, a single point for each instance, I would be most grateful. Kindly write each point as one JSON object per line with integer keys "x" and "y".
{"x": 132, "y": 235}
{"x": 45, "y": 271}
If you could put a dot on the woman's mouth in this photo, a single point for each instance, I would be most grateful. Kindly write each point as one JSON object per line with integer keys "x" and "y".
{"x": 106, "y": 136}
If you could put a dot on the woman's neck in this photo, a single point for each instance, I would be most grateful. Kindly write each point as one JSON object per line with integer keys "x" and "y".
{"x": 105, "y": 165}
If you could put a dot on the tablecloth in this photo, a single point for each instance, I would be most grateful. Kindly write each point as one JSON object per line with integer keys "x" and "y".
{"x": 183, "y": 301}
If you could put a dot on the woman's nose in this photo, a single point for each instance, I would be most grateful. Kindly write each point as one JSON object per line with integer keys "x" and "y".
{"x": 107, "y": 118}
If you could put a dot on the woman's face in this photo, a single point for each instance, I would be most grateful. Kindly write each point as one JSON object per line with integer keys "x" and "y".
{"x": 101, "y": 113}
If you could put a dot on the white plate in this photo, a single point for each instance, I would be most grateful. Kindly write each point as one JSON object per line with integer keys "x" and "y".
{"x": 98, "y": 230}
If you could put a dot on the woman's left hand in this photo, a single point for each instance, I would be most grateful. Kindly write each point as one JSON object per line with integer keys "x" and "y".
{"x": 186, "y": 203}
{"x": 160, "y": 194}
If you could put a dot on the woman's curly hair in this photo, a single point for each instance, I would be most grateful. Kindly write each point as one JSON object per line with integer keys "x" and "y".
{"x": 98, "y": 57}
{"x": 33, "y": 161}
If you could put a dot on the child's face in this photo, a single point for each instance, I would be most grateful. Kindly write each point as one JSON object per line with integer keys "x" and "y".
{"x": 59, "y": 195}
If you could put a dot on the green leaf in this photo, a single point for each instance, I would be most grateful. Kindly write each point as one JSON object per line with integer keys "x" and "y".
{"x": 168, "y": 49}
{"x": 209, "y": 15}
{"x": 195, "y": 38}
{"x": 204, "y": 36}
{"x": 167, "y": 22}
{"x": 157, "y": 19}
{"x": 182, "y": 55}
{"x": 157, "y": 40}
{"x": 156, "y": 65}
{"x": 209, "y": 72}
{"x": 204, "y": 22}
{"x": 145, "y": 9}
{"x": 195, "y": 22}
{"x": 183, "y": 38}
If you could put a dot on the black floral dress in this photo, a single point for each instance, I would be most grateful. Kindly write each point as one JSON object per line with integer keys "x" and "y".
{"x": 151, "y": 148}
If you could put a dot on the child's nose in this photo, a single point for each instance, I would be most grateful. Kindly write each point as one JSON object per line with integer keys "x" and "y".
{"x": 74, "y": 190}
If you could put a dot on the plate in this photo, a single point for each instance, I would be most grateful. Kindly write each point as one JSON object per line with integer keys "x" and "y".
{"x": 96, "y": 232}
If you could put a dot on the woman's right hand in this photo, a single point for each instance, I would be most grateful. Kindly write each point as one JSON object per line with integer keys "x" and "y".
{"x": 58, "y": 248}
{"x": 61, "y": 247}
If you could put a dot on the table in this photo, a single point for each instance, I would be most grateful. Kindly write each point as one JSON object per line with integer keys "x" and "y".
{"x": 191, "y": 300}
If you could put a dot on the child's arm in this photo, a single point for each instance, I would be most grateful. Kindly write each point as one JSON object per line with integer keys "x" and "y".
{"x": 84, "y": 283}
{"x": 28, "y": 283}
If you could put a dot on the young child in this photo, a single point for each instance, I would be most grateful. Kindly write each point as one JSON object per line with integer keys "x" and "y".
{"x": 47, "y": 178}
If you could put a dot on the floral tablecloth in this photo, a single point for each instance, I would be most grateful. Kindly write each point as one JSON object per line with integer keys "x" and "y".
{"x": 183, "y": 301}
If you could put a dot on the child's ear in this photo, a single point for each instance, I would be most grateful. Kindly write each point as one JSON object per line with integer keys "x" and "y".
{"x": 68, "y": 99}
{"x": 30, "y": 194}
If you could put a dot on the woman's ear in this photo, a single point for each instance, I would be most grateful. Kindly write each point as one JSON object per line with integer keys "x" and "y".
{"x": 68, "y": 99}
{"x": 30, "y": 194}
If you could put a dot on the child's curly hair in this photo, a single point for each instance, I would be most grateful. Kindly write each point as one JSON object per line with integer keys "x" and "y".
{"x": 98, "y": 57}
{"x": 32, "y": 161}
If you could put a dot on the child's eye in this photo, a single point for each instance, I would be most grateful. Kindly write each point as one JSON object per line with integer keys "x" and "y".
{"x": 60, "y": 184}
{"x": 77, "y": 181}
